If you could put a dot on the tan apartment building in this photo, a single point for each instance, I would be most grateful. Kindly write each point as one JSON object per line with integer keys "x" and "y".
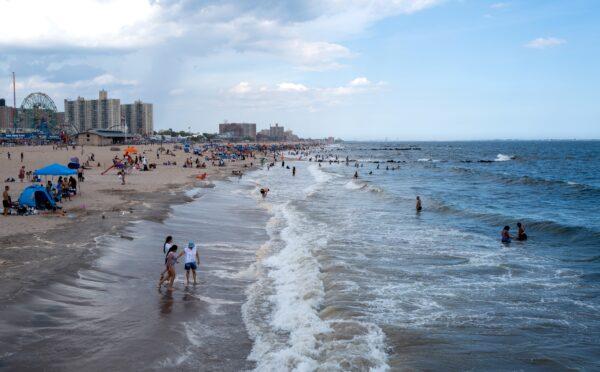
{"x": 138, "y": 117}
{"x": 101, "y": 113}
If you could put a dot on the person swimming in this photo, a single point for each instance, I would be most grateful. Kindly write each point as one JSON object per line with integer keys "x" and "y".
{"x": 506, "y": 237}
{"x": 521, "y": 235}
{"x": 264, "y": 191}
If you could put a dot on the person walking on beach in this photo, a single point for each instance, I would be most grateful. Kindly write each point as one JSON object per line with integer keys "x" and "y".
{"x": 419, "y": 205}
{"x": 521, "y": 235}
{"x": 22, "y": 173}
{"x": 192, "y": 259}
{"x": 21, "y": 157}
{"x": 170, "y": 262}
{"x": 9, "y": 155}
{"x": 506, "y": 237}
{"x": 6, "y": 200}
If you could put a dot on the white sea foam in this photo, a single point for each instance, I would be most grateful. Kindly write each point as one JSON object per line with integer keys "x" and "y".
{"x": 298, "y": 292}
{"x": 288, "y": 332}
{"x": 353, "y": 185}
{"x": 502, "y": 157}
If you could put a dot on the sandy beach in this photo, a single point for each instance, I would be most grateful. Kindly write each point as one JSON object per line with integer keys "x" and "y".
{"x": 34, "y": 246}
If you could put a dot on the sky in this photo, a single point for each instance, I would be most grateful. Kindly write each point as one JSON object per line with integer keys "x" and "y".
{"x": 353, "y": 69}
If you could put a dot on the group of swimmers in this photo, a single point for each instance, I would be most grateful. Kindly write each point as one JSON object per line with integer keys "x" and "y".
{"x": 521, "y": 235}
{"x": 192, "y": 259}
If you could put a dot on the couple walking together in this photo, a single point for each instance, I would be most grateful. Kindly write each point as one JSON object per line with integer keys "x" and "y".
{"x": 192, "y": 259}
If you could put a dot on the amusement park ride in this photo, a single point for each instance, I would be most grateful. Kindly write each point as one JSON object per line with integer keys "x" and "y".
{"x": 38, "y": 115}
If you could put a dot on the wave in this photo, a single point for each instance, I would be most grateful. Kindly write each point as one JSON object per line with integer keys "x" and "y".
{"x": 502, "y": 157}
{"x": 528, "y": 180}
{"x": 282, "y": 313}
{"x": 358, "y": 185}
{"x": 571, "y": 232}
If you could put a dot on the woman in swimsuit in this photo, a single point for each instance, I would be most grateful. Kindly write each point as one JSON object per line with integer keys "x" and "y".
{"x": 170, "y": 262}
{"x": 506, "y": 237}
{"x": 521, "y": 235}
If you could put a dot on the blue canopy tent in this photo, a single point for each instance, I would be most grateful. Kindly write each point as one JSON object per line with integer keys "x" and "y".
{"x": 37, "y": 197}
{"x": 55, "y": 170}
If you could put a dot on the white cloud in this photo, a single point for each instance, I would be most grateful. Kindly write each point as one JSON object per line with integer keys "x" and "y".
{"x": 360, "y": 81}
{"x": 83, "y": 24}
{"x": 291, "y": 87}
{"x": 545, "y": 42}
{"x": 499, "y": 5}
{"x": 241, "y": 88}
{"x": 277, "y": 96}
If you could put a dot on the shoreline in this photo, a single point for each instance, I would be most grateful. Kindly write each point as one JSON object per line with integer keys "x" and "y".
{"x": 34, "y": 247}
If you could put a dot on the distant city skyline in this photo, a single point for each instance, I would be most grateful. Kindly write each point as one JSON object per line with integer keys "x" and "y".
{"x": 359, "y": 70}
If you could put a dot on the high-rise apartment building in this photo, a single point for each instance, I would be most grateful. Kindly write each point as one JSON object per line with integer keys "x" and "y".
{"x": 101, "y": 113}
{"x": 238, "y": 130}
{"x": 7, "y": 115}
{"x": 138, "y": 117}
{"x": 276, "y": 133}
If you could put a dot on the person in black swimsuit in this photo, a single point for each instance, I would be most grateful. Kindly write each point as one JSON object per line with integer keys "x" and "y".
{"x": 521, "y": 235}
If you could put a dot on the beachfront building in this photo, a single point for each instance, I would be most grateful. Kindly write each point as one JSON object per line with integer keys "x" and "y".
{"x": 101, "y": 137}
{"x": 138, "y": 118}
{"x": 101, "y": 113}
{"x": 7, "y": 115}
{"x": 276, "y": 133}
{"x": 238, "y": 130}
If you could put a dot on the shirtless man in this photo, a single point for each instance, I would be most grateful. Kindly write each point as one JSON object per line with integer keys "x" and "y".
{"x": 6, "y": 200}
{"x": 419, "y": 205}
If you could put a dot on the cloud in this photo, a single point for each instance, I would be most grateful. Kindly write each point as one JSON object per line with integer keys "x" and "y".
{"x": 277, "y": 96}
{"x": 499, "y": 5}
{"x": 291, "y": 87}
{"x": 87, "y": 24}
{"x": 359, "y": 81}
{"x": 241, "y": 88}
{"x": 545, "y": 42}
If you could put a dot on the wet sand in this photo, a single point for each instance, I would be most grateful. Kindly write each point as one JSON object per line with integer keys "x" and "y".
{"x": 34, "y": 247}
{"x": 107, "y": 314}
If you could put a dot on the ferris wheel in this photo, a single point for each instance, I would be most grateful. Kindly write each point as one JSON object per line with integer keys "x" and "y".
{"x": 38, "y": 112}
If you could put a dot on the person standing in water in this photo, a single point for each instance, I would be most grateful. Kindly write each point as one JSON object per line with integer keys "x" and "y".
{"x": 419, "y": 206}
{"x": 506, "y": 237}
{"x": 356, "y": 174}
{"x": 191, "y": 260}
{"x": 293, "y": 171}
{"x": 521, "y": 235}
{"x": 166, "y": 247}
{"x": 170, "y": 262}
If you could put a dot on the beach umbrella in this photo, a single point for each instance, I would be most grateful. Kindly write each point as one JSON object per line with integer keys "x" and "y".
{"x": 130, "y": 150}
{"x": 55, "y": 170}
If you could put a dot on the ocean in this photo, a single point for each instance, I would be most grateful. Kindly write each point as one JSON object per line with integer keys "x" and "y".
{"x": 329, "y": 272}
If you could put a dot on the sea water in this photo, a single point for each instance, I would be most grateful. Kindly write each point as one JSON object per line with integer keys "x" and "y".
{"x": 353, "y": 278}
